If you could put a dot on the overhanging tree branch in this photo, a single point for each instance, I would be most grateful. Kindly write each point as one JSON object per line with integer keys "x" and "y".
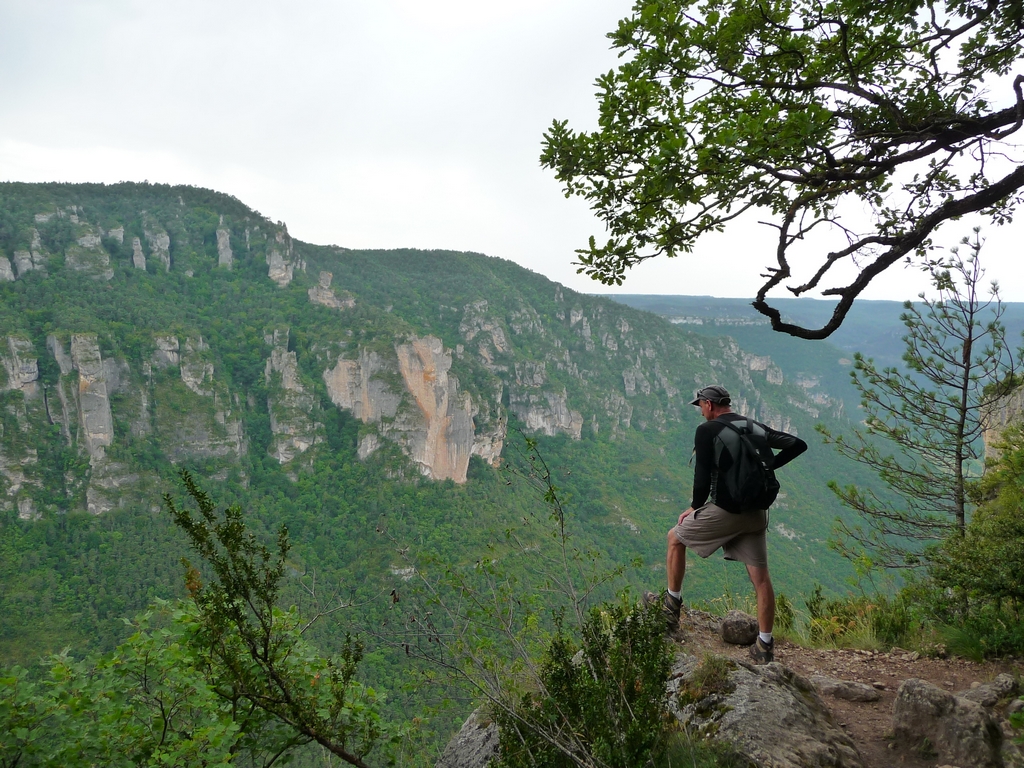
{"x": 777, "y": 106}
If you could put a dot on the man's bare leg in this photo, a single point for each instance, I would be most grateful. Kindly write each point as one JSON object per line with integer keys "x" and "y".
{"x": 765, "y": 597}
{"x": 675, "y": 562}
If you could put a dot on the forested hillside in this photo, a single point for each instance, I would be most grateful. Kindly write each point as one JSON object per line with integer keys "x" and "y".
{"x": 148, "y": 328}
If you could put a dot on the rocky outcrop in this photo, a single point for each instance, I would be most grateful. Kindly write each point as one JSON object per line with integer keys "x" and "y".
{"x": 33, "y": 259}
{"x": 997, "y": 417}
{"x": 321, "y": 293}
{"x": 116, "y": 233}
{"x": 88, "y": 255}
{"x": 769, "y": 715}
{"x": 415, "y": 402}
{"x": 159, "y": 242}
{"x": 281, "y": 259}
{"x": 95, "y": 420}
{"x": 362, "y": 387}
{"x": 290, "y": 404}
{"x": 990, "y": 694}
{"x": 225, "y": 257}
{"x": 546, "y": 412}
{"x": 21, "y": 365}
{"x": 484, "y": 332}
{"x": 138, "y": 258}
{"x": 474, "y": 746}
{"x": 197, "y": 367}
{"x": 959, "y": 730}
{"x": 166, "y": 354}
{"x": 438, "y": 434}
{"x": 6, "y": 272}
{"x": 848, "y": 690}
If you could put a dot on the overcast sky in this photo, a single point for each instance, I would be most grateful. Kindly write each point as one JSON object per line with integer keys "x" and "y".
{"x": 364, "y": 123}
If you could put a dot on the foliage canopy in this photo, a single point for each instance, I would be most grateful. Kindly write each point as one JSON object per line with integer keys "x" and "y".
{"x": 808, "y": 113}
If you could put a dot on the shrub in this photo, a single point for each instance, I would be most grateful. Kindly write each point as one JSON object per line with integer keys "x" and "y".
{"x": 602, "y": 698}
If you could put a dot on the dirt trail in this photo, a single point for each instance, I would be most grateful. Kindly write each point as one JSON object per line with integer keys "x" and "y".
{"x": 867, "y": 723}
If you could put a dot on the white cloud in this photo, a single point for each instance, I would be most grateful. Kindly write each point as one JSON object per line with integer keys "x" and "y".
{"x": 369, "y": 124}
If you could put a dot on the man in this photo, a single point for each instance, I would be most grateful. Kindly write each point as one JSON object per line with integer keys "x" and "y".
{"x": 714, "y": 521}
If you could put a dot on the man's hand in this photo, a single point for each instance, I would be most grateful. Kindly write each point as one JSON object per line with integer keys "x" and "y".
{"x": 685, "y": 515}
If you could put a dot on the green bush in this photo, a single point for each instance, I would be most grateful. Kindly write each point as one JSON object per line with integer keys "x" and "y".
{"x": 602, "y": 697}
{"x": 785, "y": 615}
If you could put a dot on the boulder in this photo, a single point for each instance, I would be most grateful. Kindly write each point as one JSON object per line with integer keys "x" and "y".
{"x": 738, "y": 628}
{"x": 959, "y": 730}
{"x": 990, "y": 694}
{"x": 474, "y": 746}
{"x": 845, "y": 689}
{"x": 769, "y": 715}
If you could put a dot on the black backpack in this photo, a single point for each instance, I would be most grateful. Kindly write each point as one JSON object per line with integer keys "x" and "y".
{"x": 750, "y": 481}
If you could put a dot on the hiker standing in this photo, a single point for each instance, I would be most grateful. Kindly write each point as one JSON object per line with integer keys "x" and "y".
{"x": 733, "y": 486}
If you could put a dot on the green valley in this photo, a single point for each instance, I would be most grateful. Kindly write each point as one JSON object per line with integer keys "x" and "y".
{"x": 147, "y": 328}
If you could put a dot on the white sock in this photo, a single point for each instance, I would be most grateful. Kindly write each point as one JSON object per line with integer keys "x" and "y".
{"x": 676, "y": 595}
{"x": 766, "y": 637}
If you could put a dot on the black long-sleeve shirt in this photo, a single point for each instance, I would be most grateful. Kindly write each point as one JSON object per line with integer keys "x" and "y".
{"x": 705, "y": 473}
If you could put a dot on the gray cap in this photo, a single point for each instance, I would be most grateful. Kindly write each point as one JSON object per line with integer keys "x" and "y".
{"x": 715, "y": 393}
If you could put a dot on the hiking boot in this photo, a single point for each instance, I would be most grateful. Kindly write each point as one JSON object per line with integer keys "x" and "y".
{"x": 762, "y": 652}
{"x": 670, "y": 607}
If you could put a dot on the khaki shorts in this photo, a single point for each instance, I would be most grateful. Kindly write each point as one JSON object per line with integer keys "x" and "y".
{"x": 740, "y": 537}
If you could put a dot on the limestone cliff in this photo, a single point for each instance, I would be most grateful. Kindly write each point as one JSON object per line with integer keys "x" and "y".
{"x": 361, "y": 386}
{"x": 36, "y": 258}
{"x": 281, "y": 259}
{"x": 291, "y": 405}
{"x": 138, "y": 258}
{"x": 158, "y": 240}
{"x": 95, "y": 421}
{"x": 225, "y": 257}
{"x": 998, "y": 416}
{"x": 197, "y": 367}
{"x": 88, "y": 255}
{"x": 439, "y": 436}
{"x": 321, "y": 293}
{"x": 414, "y": 401}
{"x": 21, "y": 366}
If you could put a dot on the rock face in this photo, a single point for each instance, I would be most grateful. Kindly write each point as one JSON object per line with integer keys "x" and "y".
{"x": 290, "y": 404}
{"x": 6, "y": 272}
{"x": 770, "y": 715}
{"x": 998, "y": 416}
{"x": 281, "y": 258}
{"x": 439, "y": 437}
{"x": 359, "y": 386}
{"x": 166, "y": 353}
{"x": 546, "y": 412}
{"x": 437, "y": 430}
{"x": 196, "y": 367}
{"x": 959, "y": 730}
{"x": 138, "y": 258}
{"x": 474, "y": 746}
{"x": 224, "y": 255}
{"x": 321, "y": 293}
{"x": 95, "y": 420}
{"x": 159, "y": 242}
{"x": 21, "y": 366}
{"x": 88, "y": 255}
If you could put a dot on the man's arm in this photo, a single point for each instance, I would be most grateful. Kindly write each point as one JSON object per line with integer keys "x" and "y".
{"x": 703, "y": 465}
{"x": 788, "y": 446}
